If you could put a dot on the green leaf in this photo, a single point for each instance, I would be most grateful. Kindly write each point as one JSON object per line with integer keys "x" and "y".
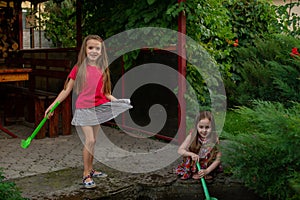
{"x": 150, "y": 2}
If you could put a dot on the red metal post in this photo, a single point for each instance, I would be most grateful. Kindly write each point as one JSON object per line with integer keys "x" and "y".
{"x": 182, "y": 70}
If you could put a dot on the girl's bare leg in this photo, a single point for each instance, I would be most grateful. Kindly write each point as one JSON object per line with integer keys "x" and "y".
{"x": 95, "y": 133}
{"x": 88, "y": 149}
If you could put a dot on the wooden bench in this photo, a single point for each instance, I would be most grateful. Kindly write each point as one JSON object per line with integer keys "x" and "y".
{"x": 40, "y": 92}
{"x": 40, "y": 98}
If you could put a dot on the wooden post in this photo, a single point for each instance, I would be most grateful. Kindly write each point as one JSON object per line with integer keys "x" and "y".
{"x": 53, "y": 126}
{"x": 39, "y": 115}
{"x": 53, "y": 121}
{"x": 66, "y": 115}
{"x": 18, "y": 8}
{"x": 78, "y": 23}
{"x": 33, "y": 10}
{"x": 182, "y": 70}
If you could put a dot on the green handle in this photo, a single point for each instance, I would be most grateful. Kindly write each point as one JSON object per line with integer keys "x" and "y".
{"x": 207, "y": 197}
{"x": 26, "y": 143}
{"x": 41, "y": 124}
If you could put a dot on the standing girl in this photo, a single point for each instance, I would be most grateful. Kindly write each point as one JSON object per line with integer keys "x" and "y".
{"x": 200, "y": 146}
{"x": 94, "y": 105}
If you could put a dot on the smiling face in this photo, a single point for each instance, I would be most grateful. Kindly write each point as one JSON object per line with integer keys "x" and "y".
{"x": 204, "y": 127}
{"x": 93, "y": 51}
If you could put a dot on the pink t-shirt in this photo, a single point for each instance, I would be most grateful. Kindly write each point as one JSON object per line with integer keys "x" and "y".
{"x": 92, "y": 93}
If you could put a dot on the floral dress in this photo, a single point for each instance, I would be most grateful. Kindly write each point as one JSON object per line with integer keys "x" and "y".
{"x": 187, "y": 168}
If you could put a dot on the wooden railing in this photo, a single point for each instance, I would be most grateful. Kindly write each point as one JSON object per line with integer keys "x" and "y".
{"x": 50, "y": 68}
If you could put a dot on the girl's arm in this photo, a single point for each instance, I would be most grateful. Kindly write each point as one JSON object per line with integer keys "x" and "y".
{"x": 204, "y": 172}
{"x": 110, "y": 97}
{"x": 61, "y": 96}
{"x": 183, "y": 148}
{"x": 214, "y": 164}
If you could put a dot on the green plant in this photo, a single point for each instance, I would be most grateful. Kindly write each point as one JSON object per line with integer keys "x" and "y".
{"x": 113, "y": 17}
{"x": 235, "y": 124}
{"x": 208, "y": 23}
{"x": 252, "y": 19}
{"x": 59, "y": 20}
{"x": 265, "y": 69}
{"x": 8, "y": 190}
{"x": 289, "y": 21}
{"x": 266, "y": 157}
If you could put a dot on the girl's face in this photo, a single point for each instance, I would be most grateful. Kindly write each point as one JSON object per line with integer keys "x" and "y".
{"x": 93, "y": 50}
{"x": 204, "y": 127}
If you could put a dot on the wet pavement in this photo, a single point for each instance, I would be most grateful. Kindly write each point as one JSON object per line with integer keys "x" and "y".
{"x": 51, "y": 168}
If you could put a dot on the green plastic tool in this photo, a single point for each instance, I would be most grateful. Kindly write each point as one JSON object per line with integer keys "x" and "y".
{"x": 206, "y": 193}
{"x": 26, "y": 143}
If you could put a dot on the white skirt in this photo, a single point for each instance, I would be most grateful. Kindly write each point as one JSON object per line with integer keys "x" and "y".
{"x": 100, "y": 114}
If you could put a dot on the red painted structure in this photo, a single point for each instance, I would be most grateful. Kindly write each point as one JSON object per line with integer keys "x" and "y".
{"x": 182, "y": 70}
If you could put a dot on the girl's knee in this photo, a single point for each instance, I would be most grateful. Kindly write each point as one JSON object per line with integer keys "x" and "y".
{"x": 90, "y": 142}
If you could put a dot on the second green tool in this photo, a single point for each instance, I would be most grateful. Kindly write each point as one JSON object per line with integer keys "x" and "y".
{"x": 206, "y": 193}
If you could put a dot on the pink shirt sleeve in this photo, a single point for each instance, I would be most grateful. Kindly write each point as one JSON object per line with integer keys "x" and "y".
{"x": 73, "y": 73}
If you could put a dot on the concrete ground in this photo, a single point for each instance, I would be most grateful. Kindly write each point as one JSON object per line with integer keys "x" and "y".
{"x": 51, "y": 168}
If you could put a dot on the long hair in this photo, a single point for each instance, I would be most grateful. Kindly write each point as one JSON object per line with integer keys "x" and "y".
{"x": 102, "y": 63}
{"x": 212, "y": 137}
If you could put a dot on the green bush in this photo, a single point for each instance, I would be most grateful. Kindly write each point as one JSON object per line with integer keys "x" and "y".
{"x": 252, "y": 19}
{"x": 59, "y": 20}
{"x": 8, "y": 190}
{"x": 265, "y": 155}
{"x": 234, "y": 124}
{"x": 265, "y": 71}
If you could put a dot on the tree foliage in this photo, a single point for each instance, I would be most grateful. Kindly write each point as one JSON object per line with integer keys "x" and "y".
{"x": 288, "y": 20}
{"x": 221, "y": 27}
{"x": 59, "y": 20}
{"x": 267, "y": 71}
{"x": 111, "y": 17}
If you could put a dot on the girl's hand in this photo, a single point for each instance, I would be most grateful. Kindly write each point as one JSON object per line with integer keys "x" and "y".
{"x": 127, "y": 101}
{"x": 202, "y": 173}
{"x": 195, "y": 157}
{"x": 47, "y": 111}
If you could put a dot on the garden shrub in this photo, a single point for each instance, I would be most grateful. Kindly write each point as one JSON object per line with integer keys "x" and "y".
{"x": 8, "y": 190}
{"x": 266, "y": 71}
{"x": 266, "y": 156}
{"x": 59, "y": 19}
{"x": 252, "y": 19}
{"x": 288, "y": 20}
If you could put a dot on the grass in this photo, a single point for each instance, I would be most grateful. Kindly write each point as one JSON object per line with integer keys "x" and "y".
{"x": 235, "y": 124}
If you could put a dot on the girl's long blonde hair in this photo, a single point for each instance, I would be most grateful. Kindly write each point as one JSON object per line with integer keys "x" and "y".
{"x": 102, "y": 63}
